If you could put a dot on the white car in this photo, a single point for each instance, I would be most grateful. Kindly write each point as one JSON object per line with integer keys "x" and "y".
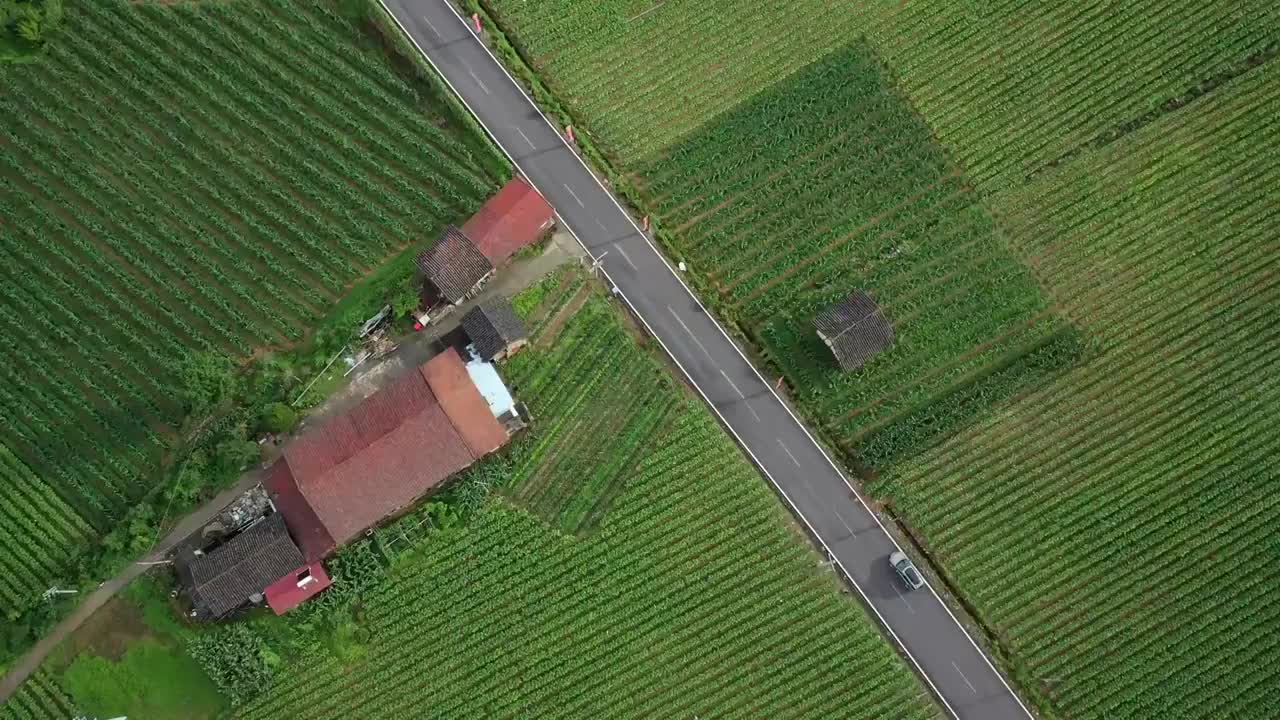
{"x": 906, "y": 570}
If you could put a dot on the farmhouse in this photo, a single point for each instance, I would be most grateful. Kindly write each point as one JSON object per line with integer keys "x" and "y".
{"x": 260, "y": 562}
{"x": 855, "y": 329}
{"x": 494, "y": 330}
{"x": 513, "y": 218}
{"x": 343, "y": 477}
{"x": 452, "y": 269}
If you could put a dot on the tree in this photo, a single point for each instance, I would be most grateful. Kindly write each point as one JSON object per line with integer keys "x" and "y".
{"x": 233, "y": 454}
{"x": 208, "y": 380}
{"x": 278, "y": 418}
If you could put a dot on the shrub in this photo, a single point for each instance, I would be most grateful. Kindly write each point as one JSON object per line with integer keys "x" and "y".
{"x": 278, "y": 418}
{"x": 237, "y": 659}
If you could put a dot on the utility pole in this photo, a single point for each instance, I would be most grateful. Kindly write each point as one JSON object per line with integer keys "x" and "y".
{"x": 53, "y": 592}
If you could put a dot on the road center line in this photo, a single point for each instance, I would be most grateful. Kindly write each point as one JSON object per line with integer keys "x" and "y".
{"x": 732, "y": 385}
{"x": 623, "y": 253}
{"x": 962, "y": 677}
{"x": 478, "y": 81}
{"x": 432, "y": 25}
{"x": 687, "y": 330}
{"x": 787, "y": 450}
{"x": 526, "y": 139}
{"x": 574, "y": 194}
{"x": 903, "y": 598}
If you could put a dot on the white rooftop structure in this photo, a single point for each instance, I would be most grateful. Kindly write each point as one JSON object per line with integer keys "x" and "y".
{"x": 495, "y": 392}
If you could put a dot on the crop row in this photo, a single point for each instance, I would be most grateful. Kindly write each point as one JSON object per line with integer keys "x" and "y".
{"x": 212, "y": 179}
{"x": 39, "y": 698}
{"x": 1133, "y": 490}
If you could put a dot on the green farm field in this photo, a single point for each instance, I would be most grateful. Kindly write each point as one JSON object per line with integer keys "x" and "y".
{"x": 1008, "y": 87}
{"x": 1064, "y": 210}
{"x": 679, "y": 557}
{"x": 859, "y": 196}
{"x": 202, "y": 177}
{"x": 1137, "y": 493}
{"x": 39, "y": 698}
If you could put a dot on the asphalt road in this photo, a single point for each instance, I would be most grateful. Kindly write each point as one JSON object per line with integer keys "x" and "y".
{"x": 931, "y": 637}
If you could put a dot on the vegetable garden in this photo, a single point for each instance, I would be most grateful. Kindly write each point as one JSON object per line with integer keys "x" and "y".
{"x": 201, "y": 177}
{"x": 1136, "y": 494}
{"x": 594, "y": 428}
{"x": 694, "y": 567}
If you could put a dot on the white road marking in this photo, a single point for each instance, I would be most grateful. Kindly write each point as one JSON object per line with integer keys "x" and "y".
{"x": 603, "y": 229}
{"x": 844, "y": 523}
{"x": 574, "y": 194}
{"x": 732, "y": 385}
{"x": 526, "y": 139}
{"x": 903, "y": 598}
{"x": 478, "y": 81}
{"x": 623, "y": 253}
{"x": 962, "y": 677}
{"x": 432, "y": 25}
{"x": 781, "y": 490}
{"x": 788, "y": 451}
{"x": 687, "y": 330}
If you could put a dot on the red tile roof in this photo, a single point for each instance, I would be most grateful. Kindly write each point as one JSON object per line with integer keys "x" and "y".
{"x": 356, "y": 469}
{"x": 514, "y": 217}
{"x": 307, "y": 529}
{"x": 286, "y": 593}
{"x": 463, "y": 403}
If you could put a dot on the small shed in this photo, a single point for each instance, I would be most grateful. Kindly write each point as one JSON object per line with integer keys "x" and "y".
{"x": 494, "y": 329}
{"x": 453, "y": 268}
{"x": 515, "y": 217}
{"x": 855, "y": 329}
{"x": 239, "y": 571}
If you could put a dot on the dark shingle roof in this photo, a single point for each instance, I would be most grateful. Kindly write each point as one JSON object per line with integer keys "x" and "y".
{"x": 223, "y": 579}
{"x": 453, "y": 264}
{"x": 855, "y": 328}
{"x": 492, "y": 326}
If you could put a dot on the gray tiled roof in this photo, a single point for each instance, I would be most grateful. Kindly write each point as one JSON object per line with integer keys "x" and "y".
{"x": 223, "y": 579}
{"x": 855, "y": 328}
{"x": 453, "y": 264}
{"x": 492, "y": 326}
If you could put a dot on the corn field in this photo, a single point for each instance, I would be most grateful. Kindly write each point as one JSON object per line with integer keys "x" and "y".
{"x": 594, "y": 427}
{"x": 39, "y": 698}
{"x": 851, "y": 194}
{"x": 1136, "y": 494}
{"x": 203, "y": 176}
{"x": 693, "y": 567}
{"x": 1008, "y": 87}
{"x": 1075, "y": 232}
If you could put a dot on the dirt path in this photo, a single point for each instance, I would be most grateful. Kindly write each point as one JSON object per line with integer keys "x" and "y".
{"x": 28, "y": 663}
{"x": 420, "y": 347}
